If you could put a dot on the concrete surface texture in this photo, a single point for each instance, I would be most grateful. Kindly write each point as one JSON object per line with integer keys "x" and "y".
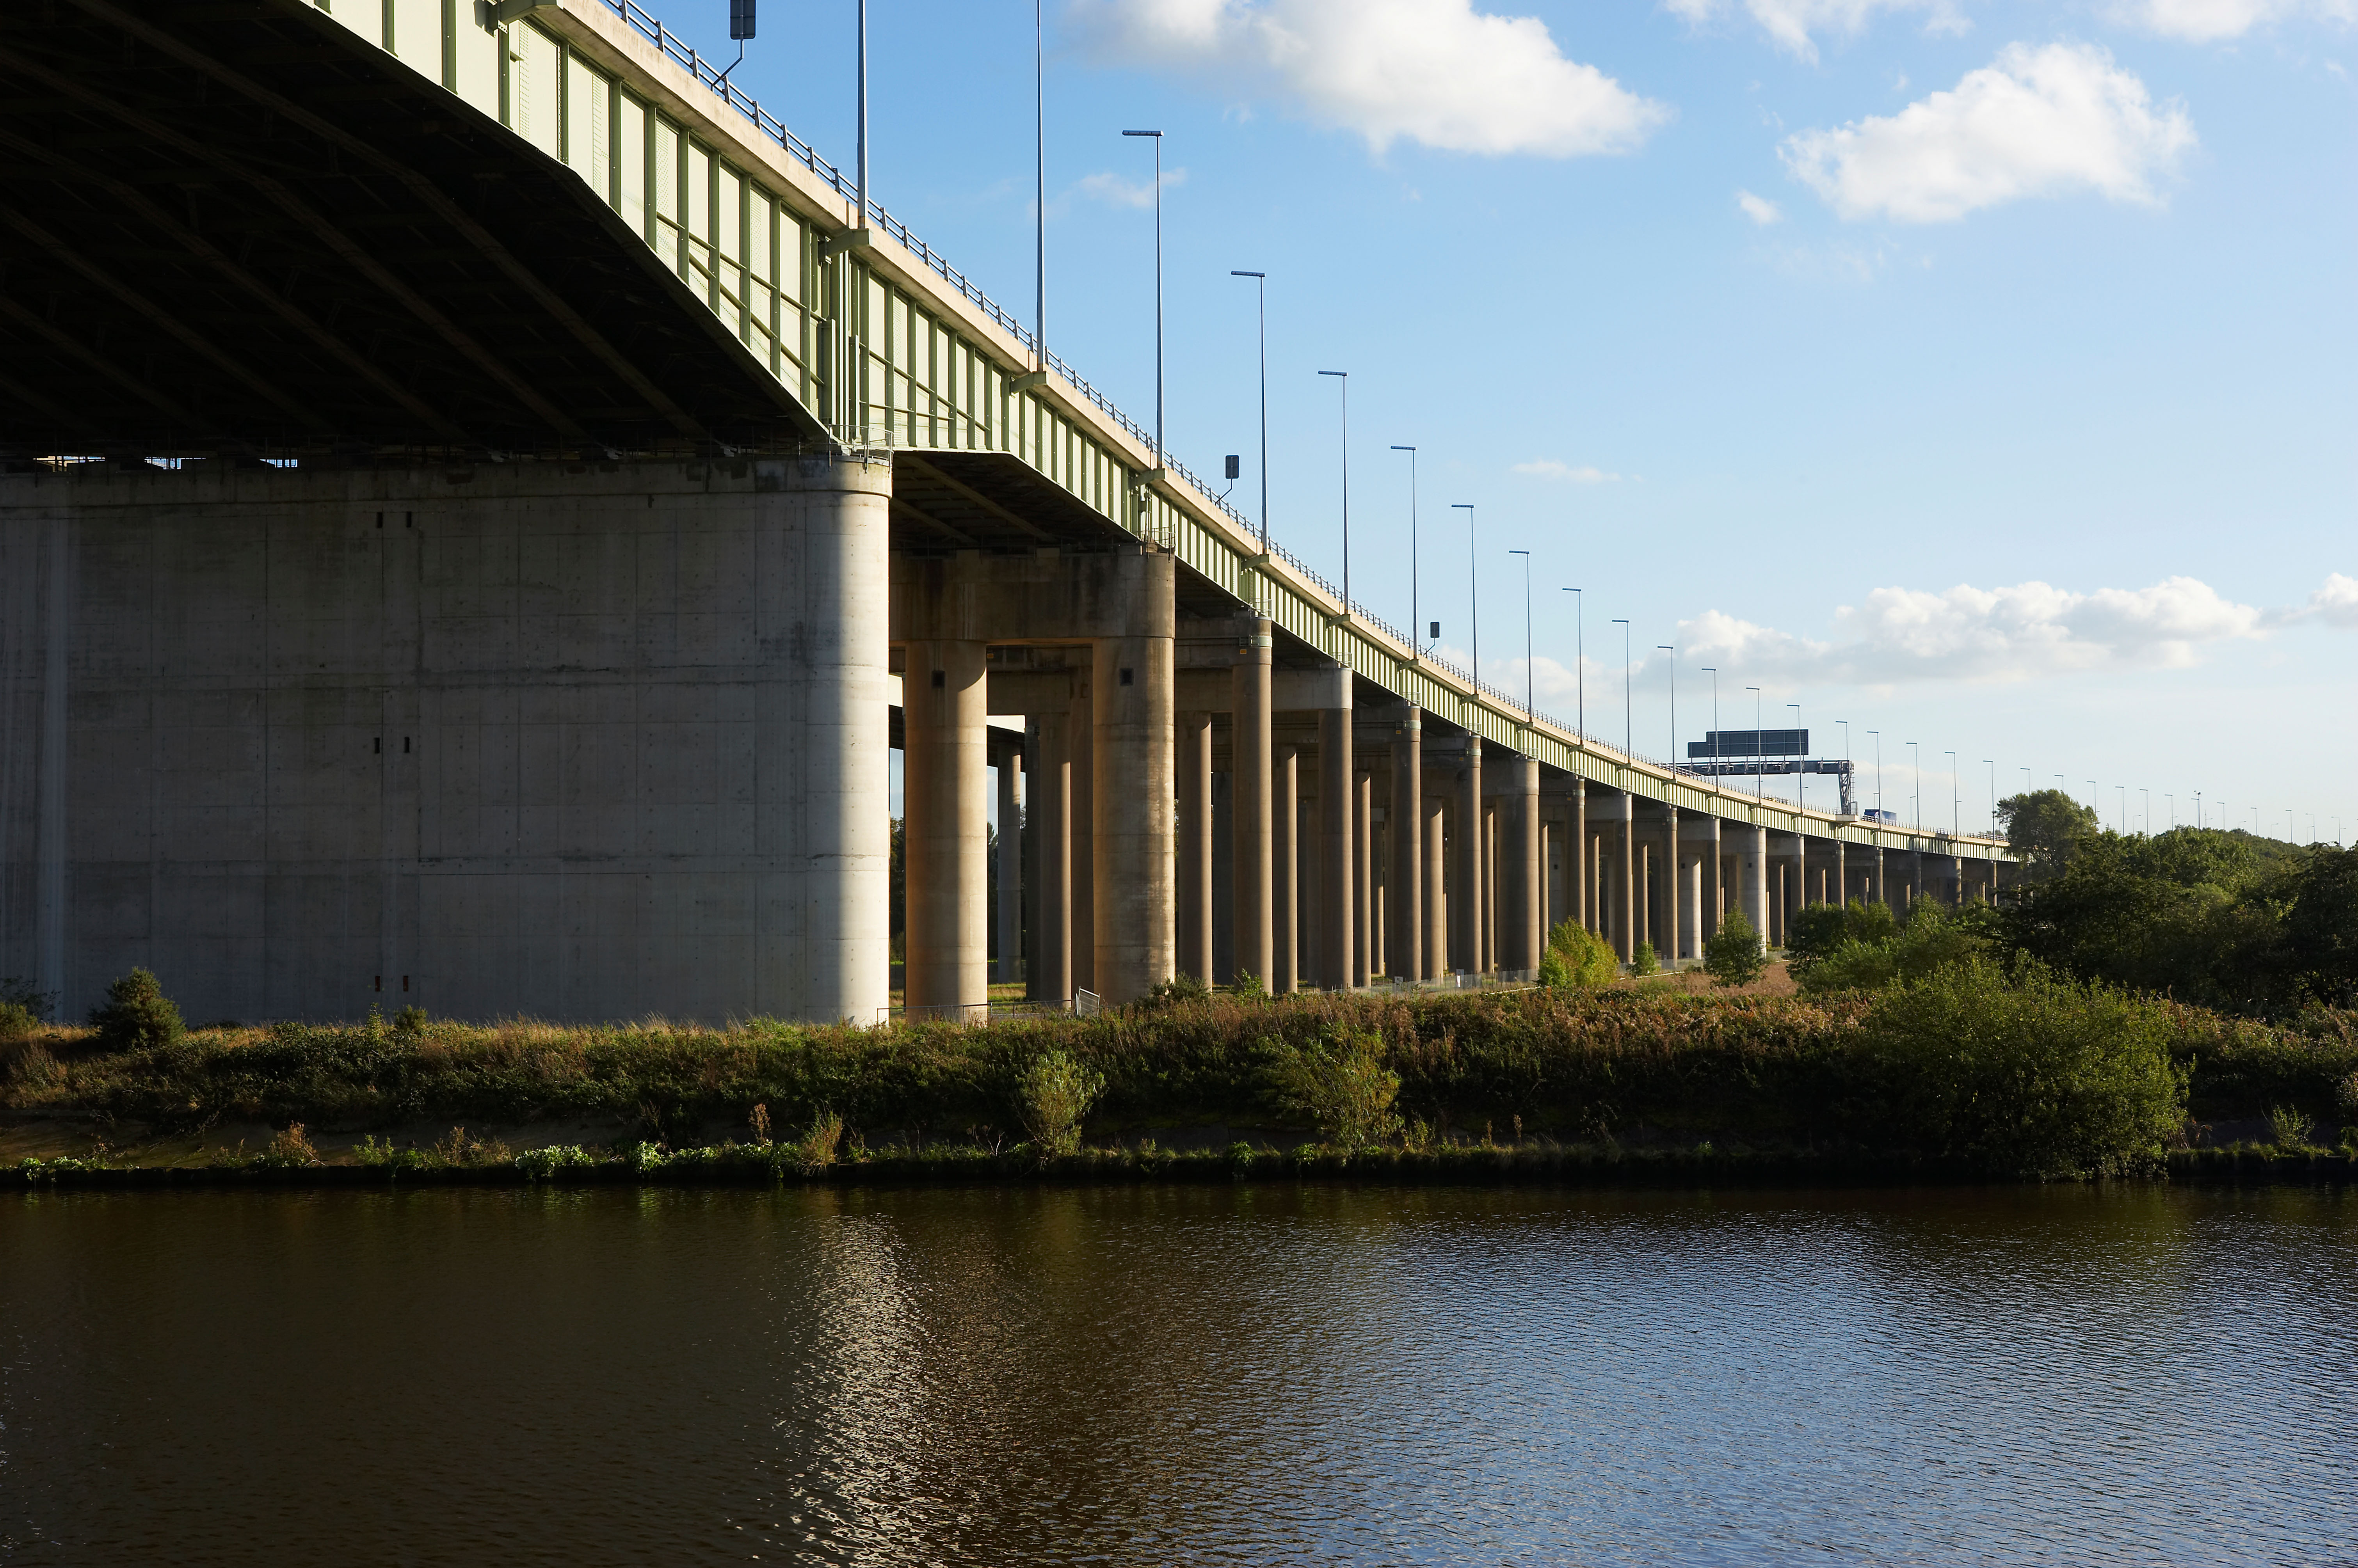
{"x": 585, "y": 741}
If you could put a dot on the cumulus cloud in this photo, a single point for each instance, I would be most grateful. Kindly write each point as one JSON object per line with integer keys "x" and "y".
{"x": 1115, "y": 192}
{"x": 2336, "y": 603}
{"x": 1433, "y": 71}
{"x": 1795, "y": 26}
{"x": 2035, "y": 121}
{"x": 1549, "y": 468}
{"x": 2211, "y": 21}
{"x": 1760, "y": 208}
{"x": 2021, "y": 632}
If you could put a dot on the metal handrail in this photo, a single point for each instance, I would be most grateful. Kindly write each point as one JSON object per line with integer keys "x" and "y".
{"x": 670, "y": 44}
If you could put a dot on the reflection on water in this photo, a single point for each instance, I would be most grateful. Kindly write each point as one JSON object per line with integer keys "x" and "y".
{"x": 1256, "y": 1374}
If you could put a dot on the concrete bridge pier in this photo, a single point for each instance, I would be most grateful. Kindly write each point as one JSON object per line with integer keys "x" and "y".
{"x": 1253, "y": 840}
{"x": 1080, "y": 858}
{"x": 1752, "y": 876}
{"x": 1011, "y": 866}
{"x": 1363, "y": 878}
{"x": 1465, "y": 888}
{"x": 1522, "y": 913}
{"x": 1285, "y": 872}
{"x": 1049, "y": 974}
{"x": 1435, "y": 941}
{"x": 1578, "y": 868}
{"x": 1193, "y": 760}
{"x": 1335, "y": 943}
{"x": 945, "y": 787}
{"x": 1132, "y": 898}
{"x": 1405, "y": 882}
{"x": 1674, "y": 884}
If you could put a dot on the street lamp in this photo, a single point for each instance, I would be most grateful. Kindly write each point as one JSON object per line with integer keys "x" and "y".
{"x": 1580, "y": 659}
{"x": 1878, "y": 775}
{"x": 1916, "y": 801}
{"x": 1528, "y": 706}
{"x": 1344, "y": 376}
{"x": 1759, "y": 777}
{"x": 1955, "y": 805}
{"x": 1712, "y": 671}
{"x": 862, "y": 171}
{"x": 1673, "y": 652}
{"x": 1628, "y": 728}
{"x": 1473, "y": 591}
{"x": 1159, "y": 448}
{"x": 1800, "y": 777}
{"x": 1040, "y": 196}
{"x": 1260, "y": 286}
{"x": 1414, "y": 612}
{"x": 1993, "y": 768}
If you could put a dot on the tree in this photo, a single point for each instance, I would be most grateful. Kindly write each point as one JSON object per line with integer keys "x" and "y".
{"x": 2320, "y": 929}
{"x": 1818, "y": 929}
{"x": 1577, "y": 956}
{"x": 137, "y": 1013}
{"x": 1734, "y": 956}
{"x": 2042, "y": 828}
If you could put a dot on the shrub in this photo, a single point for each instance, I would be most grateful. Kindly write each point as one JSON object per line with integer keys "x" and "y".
{"x": 813, "y": 1151}
{"x": 2288, "y": 1128}
{"x": 1578, "y": 958}
{"x": 1734, "y": 956}
{"x": 23, "y": 1007}
{"x": 1246, "y": 987}
{"x": 410, "y": 1022}
{"x": 2023, "y": 1075}
{"x": 1930, "y": 940}
{"x": 1168, "y": 993}
{"x": 1643, "y": 961}
{"x": 290, "y": 1150}
{"x": 1051, "y": 1097}
{"x": 17, "y": 1021}
{"x": 1818, "y": 930}
{"x": 1341, "y": 1082}
{"x": 137, "y": 1015}
{"x": 540, "y": 1164}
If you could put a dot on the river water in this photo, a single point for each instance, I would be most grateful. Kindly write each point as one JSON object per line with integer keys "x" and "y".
{"x": 1255, "y": 1374}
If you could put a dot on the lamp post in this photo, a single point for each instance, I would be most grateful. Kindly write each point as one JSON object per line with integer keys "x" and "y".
{"x": 1712, "y": 671}
{"x": 1842, "y": 779}
{"x": 1673, "y": 652}
{"x": 1530, "y": 706}
{"x": 862, "y": 172}
{"x": 1580, "y": 659}
{"x": 1157, "y": 136}
{"x": 1040, "y": 196}
{"x": 1759, "y": 779}
{"x": 1473, "y": 590}
{"x": 1344, "y": 376}
{"x": 1800, "y": 779}
{"x": 1993, "y": 768}
{"x": 1916, "y": 801}
{"x": 1629, "y": 727}
{"x": 1414, "y": 611}
{"x": 1260, "y": 287}
{"x": 1878, "y": 775}
{"x": 1955, "y": 805}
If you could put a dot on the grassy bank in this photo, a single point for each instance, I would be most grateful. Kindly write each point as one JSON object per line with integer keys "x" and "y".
{"x": 1972, "y": 1072}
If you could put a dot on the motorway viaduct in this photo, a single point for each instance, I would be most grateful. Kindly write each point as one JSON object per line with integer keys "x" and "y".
{"x": 477, "y": 506}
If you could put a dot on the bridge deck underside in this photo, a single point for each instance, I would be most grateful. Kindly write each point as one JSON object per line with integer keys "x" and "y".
{"x": 224, "y": 230}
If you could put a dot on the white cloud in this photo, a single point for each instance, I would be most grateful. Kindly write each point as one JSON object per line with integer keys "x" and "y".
{"x": 2208, "y": 21}
{"x": 1968, "y": 634}
{"x": 2037, "y": 122}
{"x": 1760, "y": 208}
{"x": 1795, "y": 26}
{"x": 1115, "y": 192}
{"x": 1549, "y": 468}
{"x": 2336, "y": 603}
{"x": 1433, "y": 71}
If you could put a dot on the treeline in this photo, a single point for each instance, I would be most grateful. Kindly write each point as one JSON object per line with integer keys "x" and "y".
{"x": 2221, "y": 919}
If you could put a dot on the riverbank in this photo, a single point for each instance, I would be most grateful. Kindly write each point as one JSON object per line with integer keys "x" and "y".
{"x": 1617, "y": 1085}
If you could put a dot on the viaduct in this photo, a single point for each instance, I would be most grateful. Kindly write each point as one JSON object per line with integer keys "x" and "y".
{"x": 479, "y": 499}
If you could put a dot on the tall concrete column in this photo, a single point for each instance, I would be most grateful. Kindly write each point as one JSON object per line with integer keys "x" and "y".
{"x": 1577, "y": 870}
{"x": 1752, "y": 876}
{"x": 1956, "y": 881}
{"x": 1435, "y": 915}
{"x": 1627, "y": 910}
{"x": 1132, "y": 802}
{"x": 1673, "y": 884}
{"x": 946, "y": 785}
{"x": 1080, "y": 819}
{"x": 1335, "y": 848}
{"x": 1193, "y": 763}
{"x": 1363, "y": 878}
{"x": 1716, "y": 895}
{"x": 1842, "y": 874}
{"x": 1285, "y": 873}
{"x": 1690, "y": 894}
{"x": 1404, "y": 882}
{"x": 1011, "y": 866}
{"x": 1525, "y": 918}
{"x": 1466, "y": 891}
{"x": 1049, "y": 974}
{"x": 1254, "y": 842}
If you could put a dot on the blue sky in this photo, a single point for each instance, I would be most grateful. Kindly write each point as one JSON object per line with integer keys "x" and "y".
{"x": 1977, "y": 373}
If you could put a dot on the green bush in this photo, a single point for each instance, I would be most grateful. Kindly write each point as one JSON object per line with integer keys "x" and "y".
{"x": 137, "y": 1013}
{"x": 1577, "y": 957}
{"x": 1930, "y": 940}
{"x": 1733, "y": 956}
{"x": 1341, "y": 1082}
{"x": 17, "y": 1021}
{"x": 1643, "y": 962}
{"x": 2022, "y": 1074}
{"x": 1052, "y": 1097}
{"x": 1817, "y": 930}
